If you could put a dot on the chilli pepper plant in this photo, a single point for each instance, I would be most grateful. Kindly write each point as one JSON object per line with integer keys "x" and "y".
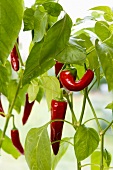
{"x": 66, "y": 61}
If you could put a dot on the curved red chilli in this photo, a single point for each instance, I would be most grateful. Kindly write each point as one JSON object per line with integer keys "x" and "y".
{"x": 68, "y": 80}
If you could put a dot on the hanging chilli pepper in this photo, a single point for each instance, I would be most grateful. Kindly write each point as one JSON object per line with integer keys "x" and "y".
{"x": 1, "y": 108}
{"x": 68, "y": 80}
{"x": 58, "y": 67}
{"x": 58, "y": 111}
{"x": 27, "y": 109}
{"x": 16, "y": 140}
{"x": 15, "y": 58}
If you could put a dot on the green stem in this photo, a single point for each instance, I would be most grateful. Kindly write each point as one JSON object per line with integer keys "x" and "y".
{"x": 61, "y": 120}
{"x": 90, "y": 165}
{"x": 61, "y": 70}
{"x": 83, "y": 106}
{"x": 94, "y": 113}
{"x": 20, "y": 58}
{"x": 102, "y": 152}
{"x": 92, "y": 48}
{"x": 71, "y": 96}
{"x": 74, "y": 119}
{"x": 9, "y": 114}
{"x": 105, "y": 130}
{"x": 78, "y": 165}
{"x": 92, "y": 85}
{"x": 63, "y": 141}
{"x": 99, "y": 119}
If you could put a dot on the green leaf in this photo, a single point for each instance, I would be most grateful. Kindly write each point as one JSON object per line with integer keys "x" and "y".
{"x": 40, "y": 24}
{"x": 105, "y": 54}
{"x": 102, "y": 30}
{"x": 9, "y": 148}
{"x": 33, "y": 90}
{"x": 5, "y": 75}
{"x": 72, "y": 54}
{"x": 40, "y": 92}
{"x": 41, "y": 57}
{"x": 109, "y": 106}
{"x": 22, "y": 94}
{"x": 9, "y": 23}
{"x": 52, "y": 88}
{"x": 106, "y": 9}
{"x": 51, "y": 20}
{"x": 111, "y": 28}
{"x": 96, "y": 14}
{"x": 57, "y": 37}
{"x": 108, "y": 17}
{"x": 28, "y": 19}
{"x": 53, "y": 8}
{"x": 92, "y": 55}
{"x": 42, "y": 1}
{"x": 95, "y": 159}
{"x": 34, "y": 67}
{"x": 63, "y": 148}
{"x": 86, "y": 140}
{"x": 107, "y": 157}
{"x": 12, "y": 87}
{"x": 37, "y": 149}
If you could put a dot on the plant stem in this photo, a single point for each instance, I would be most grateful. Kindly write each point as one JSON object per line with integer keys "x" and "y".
{"x": 78, "y": 166}
{"x": 83, "y": 106}
{"x": 102, "y": 152}
{"x": 71, "y": 96}
{"x": 74, "y": 119}
{"x": 91, "y": 106}
{"x": 105, "y": 130}
{"x": 92, "y": 85}
{"x": 99, "y": 119}
{"x": 102, "y": 144}
{"x": 20, "y": 58}
{"x": 90, "y": 165}
{"x": 9, "y": 114}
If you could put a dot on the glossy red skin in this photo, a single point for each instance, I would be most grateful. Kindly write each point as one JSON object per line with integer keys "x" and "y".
{"x": 1, "y": 108}
{"x": 58, "y": 111}
{"x": 58, "y": 67}
{"x": 14, "y": 59}
{"x": 27, "y": 110}
{"x": 16, "y": 140}
{"x": 68, "y": 80}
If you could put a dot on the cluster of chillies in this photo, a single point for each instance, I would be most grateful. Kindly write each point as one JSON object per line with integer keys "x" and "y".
{"x": 14, "y": 132}
{"x": 67, "y": 80}
{"x": 28, "y": 106}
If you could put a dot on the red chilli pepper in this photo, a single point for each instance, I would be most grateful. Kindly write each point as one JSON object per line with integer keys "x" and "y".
{"x": 68, "y": 80}
{"x": 16, "y": 140}
{"x": 27, "y": 109}
{"x": 58, "y": 67}
{"x": 58, "y": 111}
{"x": 1, "y": 108}
{"x": 14, "y": 59}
